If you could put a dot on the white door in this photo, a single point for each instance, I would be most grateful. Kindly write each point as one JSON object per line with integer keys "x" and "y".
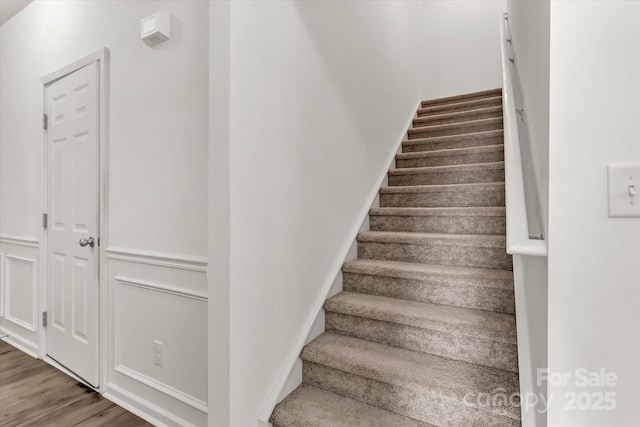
{"x": 73, "y": 196}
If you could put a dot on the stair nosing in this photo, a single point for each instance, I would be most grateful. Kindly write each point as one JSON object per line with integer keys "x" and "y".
{"x": 447, "y": 152}
{"x": 435, "y": 188}
{"x": 463, "y": 136}
{"x": 325, "y": 396}
{"x": 476, "y": 111}
{"x": 441, "y": 211}
{"x": 447, "y": 126}
{"x": 489, "y": 93}
{"x": 468, "y": 167}
{"x": 437, "y": 107}
{"x": 491, "y": 241}
{"x": 440, "y": 322}
{"x": 422, "y": 272}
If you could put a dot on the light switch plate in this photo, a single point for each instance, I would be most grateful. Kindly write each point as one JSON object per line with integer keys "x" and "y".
{"x": 624, "y": 180}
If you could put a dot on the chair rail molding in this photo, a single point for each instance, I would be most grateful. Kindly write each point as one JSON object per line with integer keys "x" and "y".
{"x": 161, "y": 259}
{"x": 19, "y": 241}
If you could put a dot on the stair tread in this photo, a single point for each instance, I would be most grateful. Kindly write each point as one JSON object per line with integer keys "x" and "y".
{"x": 461, "y": 104}
{"x": 410, "y": 237}
{"x": 456, "y": 114}
{"x": 471, "y": 95}
{"x": 473, "y": 276}
{"x": 468, "y": 322}
{"x": 463, "y": 136}
{"x": 410, "y": 369}
{"x": 447, "y": 126}
{"x": 447, "y": 169}
{"x": 310, "y": 406}
{"x": 434, "y": 188}
{"x": 451, "y": 152}
{"x": 440, "y": 211}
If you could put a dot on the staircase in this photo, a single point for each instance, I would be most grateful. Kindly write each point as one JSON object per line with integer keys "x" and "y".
{"x": 427, "y": 311}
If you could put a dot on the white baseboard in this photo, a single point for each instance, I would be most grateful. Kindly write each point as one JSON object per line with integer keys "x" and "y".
{"x": 20, "y": 343}
{"x": 143, "y": 408}
{"x": 287, "y": 379}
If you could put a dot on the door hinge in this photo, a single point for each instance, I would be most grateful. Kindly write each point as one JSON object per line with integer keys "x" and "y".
{"x": 44, "y": 319}
{"x": 45, "y": 121}
{"x": 45, "y": 220}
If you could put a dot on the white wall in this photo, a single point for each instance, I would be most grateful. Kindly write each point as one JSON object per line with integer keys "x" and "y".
{"x": 219, "y": 230}
{"x": 594, "y": 269}
{"x": 320, "y": 93}
{"x": 529, "y": 28}
{"x": 158, "y": 132}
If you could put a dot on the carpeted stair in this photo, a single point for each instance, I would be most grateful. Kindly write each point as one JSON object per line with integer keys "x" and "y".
{"x": 426, "y": 315}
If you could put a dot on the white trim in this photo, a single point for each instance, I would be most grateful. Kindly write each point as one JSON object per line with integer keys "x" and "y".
{"x": 102, "y": 57}
{"x": 33, "y": 326}
{"x": 103, "y": 275}
{"x": 20, "y": 343}
{"x": 518, "y": 242}
{"x": 162, "y": 388}
{"x": 167, "y": 289}
{"x": 58, "y": 74}
{"x": 19, "y": 241}
{"x": 294, "y": 352}
{"x": 161, "y": 259}
{"x": 142, "y": 408}
{"x": 525, "y": 364}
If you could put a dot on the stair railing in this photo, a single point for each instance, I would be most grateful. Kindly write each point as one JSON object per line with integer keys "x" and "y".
{"x": 525, "y": 249}
{"x": 519, "y": 241}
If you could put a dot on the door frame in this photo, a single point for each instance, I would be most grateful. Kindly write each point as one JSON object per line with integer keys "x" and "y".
{"x": 102, "y": 57}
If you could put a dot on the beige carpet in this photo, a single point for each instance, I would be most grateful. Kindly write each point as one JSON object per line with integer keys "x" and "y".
{"x": 426, "y": 319}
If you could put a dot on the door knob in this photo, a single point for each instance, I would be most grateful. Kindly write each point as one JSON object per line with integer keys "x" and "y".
{"x": 90, "y": 241}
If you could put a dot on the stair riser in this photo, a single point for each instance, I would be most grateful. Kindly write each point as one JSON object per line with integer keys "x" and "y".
{"x": 439, "y": 224}
{"x": 454, "y": 107}
{"x": 427, "y": 404}
{"x": 463, "y": 159}
{"x": 451, "y": 143}
{"x": 460, "y": 129}
{"x": 433, "y": 291}
{"x": 432, "y": 121}
{"x": 464, "y": 256}
{"x": 461, "y": 98}
{"x": 468, "y": 177}
{"x": 443, "y": 199}
{"x": 479, "y": 351}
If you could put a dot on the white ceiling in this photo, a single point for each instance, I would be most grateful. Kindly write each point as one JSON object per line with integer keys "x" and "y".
{"x": 8, "y": 8}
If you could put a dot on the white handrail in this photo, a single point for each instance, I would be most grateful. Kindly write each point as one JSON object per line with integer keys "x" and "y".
{"x": 518, "y": 242}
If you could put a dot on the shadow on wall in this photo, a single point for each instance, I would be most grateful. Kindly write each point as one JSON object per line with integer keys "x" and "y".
{"x": 371, "y": 72}
{"x": 358, "y": 61}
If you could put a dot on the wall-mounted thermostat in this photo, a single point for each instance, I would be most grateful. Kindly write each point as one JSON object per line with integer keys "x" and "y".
{"x": 624, "y": 190}
{"x": 156, "y": 28}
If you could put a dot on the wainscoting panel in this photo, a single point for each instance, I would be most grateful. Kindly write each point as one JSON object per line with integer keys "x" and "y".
{"x": 21, "y": 280}
{"x": 157, "y": 359}
{"x": 19, "y": 292}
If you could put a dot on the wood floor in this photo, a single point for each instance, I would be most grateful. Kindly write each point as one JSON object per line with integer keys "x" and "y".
{"x": 34, "y": 393}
